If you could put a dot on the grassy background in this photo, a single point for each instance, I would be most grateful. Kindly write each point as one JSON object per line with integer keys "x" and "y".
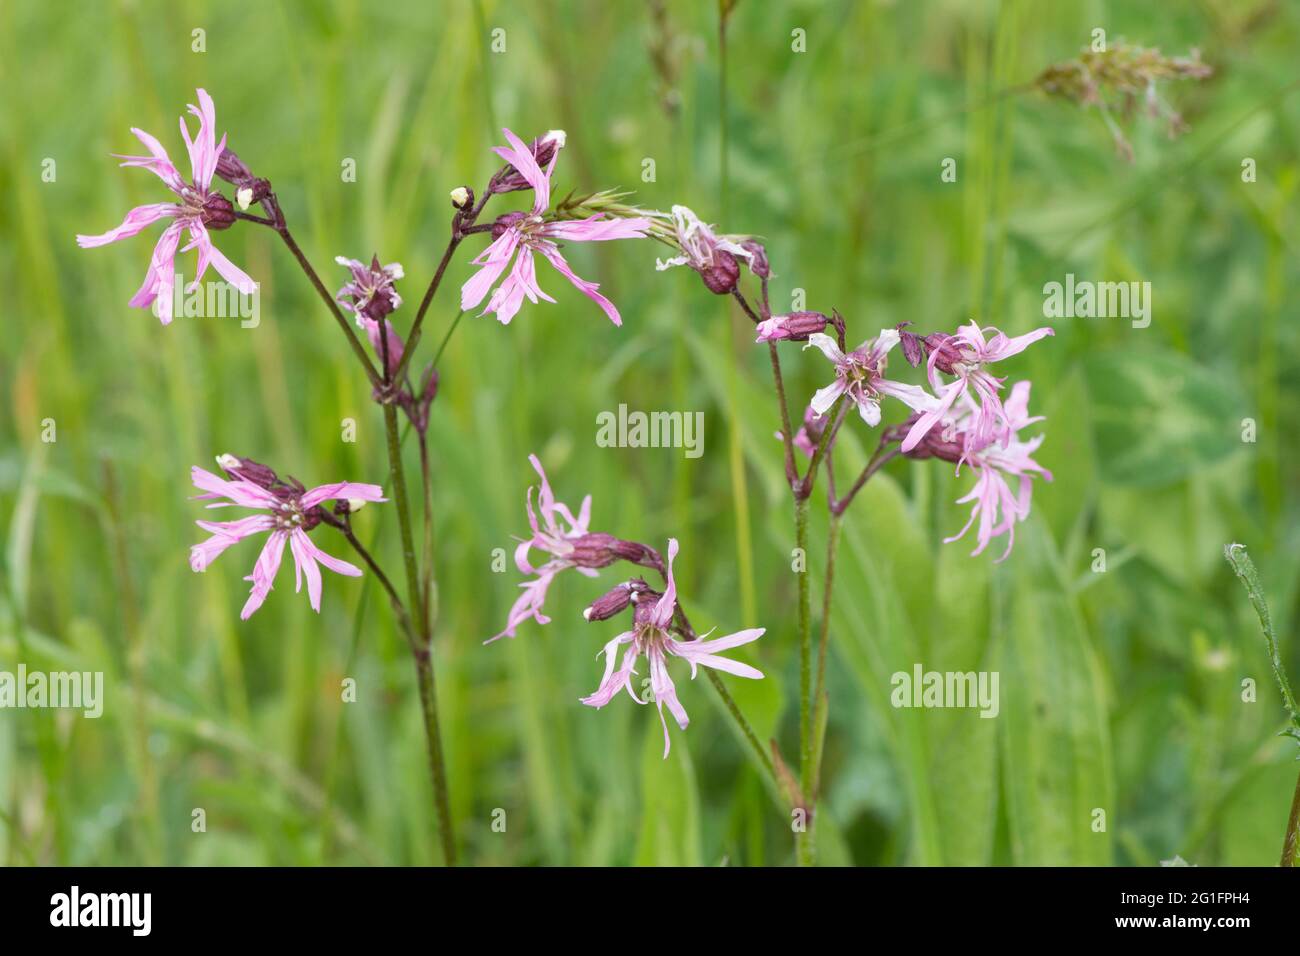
{"x": 1120, "y": 690}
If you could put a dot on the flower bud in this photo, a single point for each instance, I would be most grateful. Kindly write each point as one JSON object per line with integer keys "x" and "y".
{"x": 246, "y": 469}
{"x": 613, "y": 602}
{"x": 355, "y": 505}
{"x": 913, "y": 345}
{"x": 796, "y": 326}
{"x": 231, "y": 168}
{"x": 758, "y": 263}
{"x": 461, "y": 197}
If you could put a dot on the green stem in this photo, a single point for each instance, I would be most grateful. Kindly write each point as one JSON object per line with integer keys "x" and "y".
{"x": 804, "y": 849}
{"x": 423, "y": 652}
{"x": 741, "y": 722}
{"x": 821, "y": 700}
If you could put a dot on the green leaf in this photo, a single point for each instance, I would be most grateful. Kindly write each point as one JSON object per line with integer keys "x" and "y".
{"x": 1158, "y": 416}
{"x": 670, "y": 805}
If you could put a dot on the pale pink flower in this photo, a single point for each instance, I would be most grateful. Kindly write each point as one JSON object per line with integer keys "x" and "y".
{"x": 861, "y": 375}
{"x": 998, "y": 465}
{"x": 964, "y": 355}
{"x": 199, "y": 210}
{"x": 520, "y": 236}
{"x": 651, "y": 636}
{"x": 289, "y": 512}
{"x": 556, "y": 534}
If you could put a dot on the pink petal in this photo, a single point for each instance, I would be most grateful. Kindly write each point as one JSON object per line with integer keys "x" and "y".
{"x": 342, "y": 491}
{"x": 136, "y": 221}
{"x": 586, "y": 288}
{"x": 263, "y": 576}
{"x": 493, "y": 259}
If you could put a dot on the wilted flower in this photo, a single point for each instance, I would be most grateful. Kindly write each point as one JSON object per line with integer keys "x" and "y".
{"x": 964, "y": 355}
{"x": 861, "y": 375}
{"x": 199, "y": 210}
{"x": 712, "y": 256}
{"x": 291, "y": 511}
{"x": 372, "y": 296}
{"x": 528, "y": 233}
{"x": 650, "y": 635}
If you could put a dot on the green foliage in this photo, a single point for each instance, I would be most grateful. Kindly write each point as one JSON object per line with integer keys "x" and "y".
{"x": 1121, "y": 689}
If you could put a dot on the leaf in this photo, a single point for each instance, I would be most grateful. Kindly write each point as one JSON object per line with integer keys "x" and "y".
{"x": 670, "y": 805}
{"x": 1157, "y": 416}
{"x": 1053, "y": 720}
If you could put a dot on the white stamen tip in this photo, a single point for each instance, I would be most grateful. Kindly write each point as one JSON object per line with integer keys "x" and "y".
{"x": 355, "y": 505}
{"x": 228, "y": 462}
{"x": 244, "y": 197}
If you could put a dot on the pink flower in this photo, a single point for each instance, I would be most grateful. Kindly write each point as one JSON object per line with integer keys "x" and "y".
{"x": 372, "y": 295}
{"x": 650, "y": 636}
{"x": 290, "y": 512}
{"x": 556, "y": 535}
{"x": 861, "y": 375}
{"x": 199, "y": 210}
{"x": 997, "y": 464}
{"x": 965, "y": 355}
{"x": 519, "y": 236}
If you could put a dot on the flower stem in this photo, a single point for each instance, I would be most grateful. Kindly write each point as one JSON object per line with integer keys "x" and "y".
{"x": 423, "y": 652}
{"x": 741, "y": 722}
{"x": 804, "y": 849}
{"x": 811, "y": 782}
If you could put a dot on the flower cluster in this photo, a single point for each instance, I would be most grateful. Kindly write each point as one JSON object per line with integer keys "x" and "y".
{"x": 659, "y": 626}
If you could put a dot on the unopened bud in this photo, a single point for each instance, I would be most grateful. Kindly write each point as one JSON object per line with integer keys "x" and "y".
{"x": 355, "y": 505}
{"x": 244, "y": 197}
{"x": 231, "y": 168}
{"x": 460, "y": 197}
{"x": 228, "y": 462}
{"x": 796, "y": 326}
{"x": 758, "y": 263}
{"x": 913, "y": 345}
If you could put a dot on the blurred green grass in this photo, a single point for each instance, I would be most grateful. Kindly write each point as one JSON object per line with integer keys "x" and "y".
{"x": 1120, "y": 690}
